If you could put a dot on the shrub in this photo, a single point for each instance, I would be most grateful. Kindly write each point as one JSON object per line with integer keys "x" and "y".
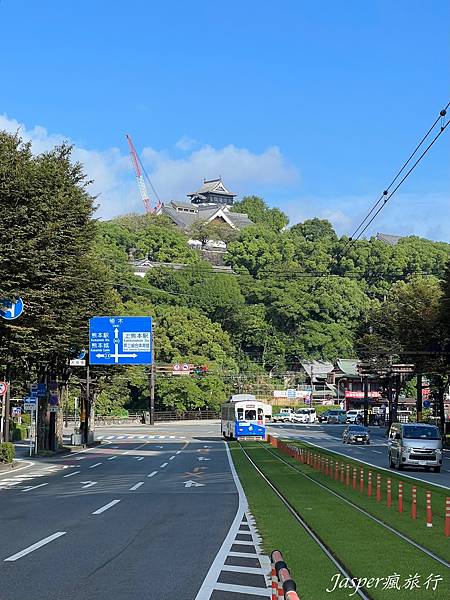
{"x": 7, "y": 452}
{"x": 18, "y": 432}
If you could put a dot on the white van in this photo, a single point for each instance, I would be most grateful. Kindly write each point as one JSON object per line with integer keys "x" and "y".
{"x": 305, "y": 415}
{"x": 352, "y": 415}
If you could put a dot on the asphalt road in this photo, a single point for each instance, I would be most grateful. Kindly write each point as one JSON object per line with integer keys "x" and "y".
{"x": 141, "y": 516}
{"x": 330, "y": 437}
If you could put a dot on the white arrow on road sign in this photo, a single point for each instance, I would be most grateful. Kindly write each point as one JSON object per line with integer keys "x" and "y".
{"x": 116, "y": 355}
{"x": 88, "y": 483}
{"x": 190, "y": 483}
{"x": 203, "y": 458}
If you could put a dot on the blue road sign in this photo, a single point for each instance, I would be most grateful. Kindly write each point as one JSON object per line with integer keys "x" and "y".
{"x": 120, "y": 341}
{"x": 10, "y": 310}
{"x": 426, "y": 404}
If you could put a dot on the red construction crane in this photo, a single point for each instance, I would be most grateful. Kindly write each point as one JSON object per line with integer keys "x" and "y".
{"x": 140, "y": 172}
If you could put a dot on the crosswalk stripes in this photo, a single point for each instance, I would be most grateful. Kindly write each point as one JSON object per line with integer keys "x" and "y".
{"x": 139, "y": 437}
{"x": 14, "y": 480}
{"x": 245, "y": 574}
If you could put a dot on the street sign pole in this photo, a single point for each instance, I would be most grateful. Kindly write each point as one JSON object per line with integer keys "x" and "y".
{"x": 7, "y": 402}
{"x": 152, "y": 381}
{"x": 419, "y": 398}
{"x": 366, "y": 401}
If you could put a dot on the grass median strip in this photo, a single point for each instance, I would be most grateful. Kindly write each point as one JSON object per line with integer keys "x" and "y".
{"x": 366, "y": 548}
{"x": 280, "y": 530}
{"x": 431, "y": 538}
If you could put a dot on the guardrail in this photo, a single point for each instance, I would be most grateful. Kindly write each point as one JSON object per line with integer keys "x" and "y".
{"x": 283, "y": 586}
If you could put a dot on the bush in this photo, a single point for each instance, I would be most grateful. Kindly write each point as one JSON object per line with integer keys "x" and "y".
{"x": 18, "y": 432}
{"x": 7, "y": 452}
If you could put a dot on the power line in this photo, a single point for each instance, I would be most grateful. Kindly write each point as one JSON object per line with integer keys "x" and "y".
{"x": 385, "y": 196}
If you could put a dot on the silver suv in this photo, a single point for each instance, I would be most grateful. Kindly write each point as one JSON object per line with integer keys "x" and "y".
{"x": 415, "y": 444}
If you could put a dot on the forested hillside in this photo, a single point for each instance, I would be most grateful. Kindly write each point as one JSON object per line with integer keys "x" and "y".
{"x": 298, "y": 292}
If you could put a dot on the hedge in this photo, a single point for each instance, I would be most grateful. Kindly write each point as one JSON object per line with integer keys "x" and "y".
{"x": 7, "y": 452}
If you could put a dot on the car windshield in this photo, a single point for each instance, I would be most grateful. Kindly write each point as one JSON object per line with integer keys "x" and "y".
{"x": 357, "y": 428}
{"x": 413, "y": 432}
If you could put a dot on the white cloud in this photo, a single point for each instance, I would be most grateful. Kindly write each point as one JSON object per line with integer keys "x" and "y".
{"x": 186, "y": 143}
{"x": 422, "y": 214}
{"x": 113, "y": 177}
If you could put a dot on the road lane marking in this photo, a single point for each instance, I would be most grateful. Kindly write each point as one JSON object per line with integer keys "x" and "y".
{"x": 35, "y": 546}
{"x": 152, "y": 474}
{"x": 88, "y": 483}
{"x": 136, "y": 486}
{"x": 81, "y": 457}
{"x": 34, "y": 487}
{"x": 112, "y": 457}
{"x": 140, "y": 458}
{"x": 73, "y": 473}
{"x": 172, "y": 457}
{"x": 163, "y": 465}
{"x": 96, "y": 465}
{"x": 99, "y": 511}
{"x": 377, "y": 451}
{"x": 178, "y": 452}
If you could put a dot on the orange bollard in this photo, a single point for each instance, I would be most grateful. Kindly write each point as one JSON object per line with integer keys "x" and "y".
{"x": 274, "y": 595}
{"x": 336, "y": 470}
{"x": 400, "y": 496}
{"x": 389, "y": 493}
{"x": 354, "y": 478}
{"x": 429, "y": 512}
{"x": 347, "y": 475}
{"x": 447, "y": 517}
{"x": 342, "y": 472}
{"x": 369, "y": 484}
{"x": 414, "y": 502}
{"x": 378, "y": 487}
{"x": 361, "y": 481}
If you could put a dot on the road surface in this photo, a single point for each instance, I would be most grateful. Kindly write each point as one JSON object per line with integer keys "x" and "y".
{"x": 376, "y": 454}
{"x": 143, "y": 515}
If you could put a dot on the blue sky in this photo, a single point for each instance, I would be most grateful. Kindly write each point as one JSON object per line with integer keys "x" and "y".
{"x": 312, "y": 105}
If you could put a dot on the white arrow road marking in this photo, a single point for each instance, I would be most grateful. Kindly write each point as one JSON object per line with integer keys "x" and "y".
{"x": 35, "y": 546}
{"x": 203, "y": 458}
{"x": 190, "y": 483}
{"x": 28, "y": 488}
{"x": 88, "y": 483}
{"x": 73, "y": 473}
{"x": 106, "y": 507}
{"x": 136, "y": 486}
{"x": 152, "y": 474}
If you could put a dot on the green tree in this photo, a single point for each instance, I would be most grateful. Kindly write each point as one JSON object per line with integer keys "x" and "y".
{"x": 259, "y": 212}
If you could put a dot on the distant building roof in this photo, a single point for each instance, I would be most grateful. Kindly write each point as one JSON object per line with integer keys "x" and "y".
{"x": 348, "y": 366}
{"x": 319, "y": 368}
{"x": 392, "y": 240}
{"x": 184, "y": 214}
{"x": 212, "y": 185}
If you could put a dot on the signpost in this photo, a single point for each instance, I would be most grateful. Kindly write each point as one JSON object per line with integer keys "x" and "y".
{"x": 120, "y": 341}
{"x": 31, "y": 404}
{"x": 10, "y": 310}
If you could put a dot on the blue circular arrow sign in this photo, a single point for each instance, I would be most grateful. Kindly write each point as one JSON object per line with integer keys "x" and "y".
{"x": 10, "y": 310}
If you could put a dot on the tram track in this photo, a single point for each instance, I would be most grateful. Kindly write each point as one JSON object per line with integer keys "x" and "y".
{"x": 402, "y": 536}
{"x": 340, "y": 566}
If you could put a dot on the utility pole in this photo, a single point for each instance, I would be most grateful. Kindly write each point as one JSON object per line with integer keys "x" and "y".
{"x": 419, "y": 398}
{"x": 152, "y": 381}
{"x": 366, "y": 400}
{"x": 7, "y": 397}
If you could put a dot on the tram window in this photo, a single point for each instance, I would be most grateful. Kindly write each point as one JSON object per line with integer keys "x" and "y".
{"x": 260, "y": 414}
{"x": 250, "y": 415}
{"x": 240, "y": 414}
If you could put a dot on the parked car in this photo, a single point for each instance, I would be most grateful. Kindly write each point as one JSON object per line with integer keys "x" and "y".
{"x": 355, "y": 434}
{"x": 353, "y": 416}
{"x": 323, "y": 417}
{"x": 305, "y": 415}
{"x": 283, "y": 416}
{"x": 337, "y": 416}
{"x": 415, "y": 444}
